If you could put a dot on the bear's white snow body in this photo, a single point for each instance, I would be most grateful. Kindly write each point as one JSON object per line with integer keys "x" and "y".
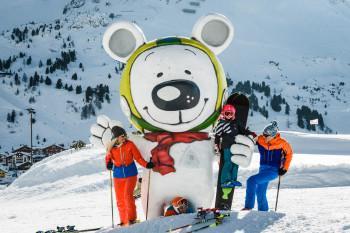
{"x": 152, "y": 82}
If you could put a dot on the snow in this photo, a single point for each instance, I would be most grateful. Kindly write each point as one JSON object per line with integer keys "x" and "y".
{"x": 73, "y": 187}
{"x": 309, "y": 41}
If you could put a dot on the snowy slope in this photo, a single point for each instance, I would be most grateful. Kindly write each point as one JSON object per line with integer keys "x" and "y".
{"x": 73, "y": 188}
{"x": 299, "y": 49}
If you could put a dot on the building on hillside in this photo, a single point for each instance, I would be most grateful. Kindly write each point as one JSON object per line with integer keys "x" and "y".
{"x": 24, "y": 148}
{"x": 22, "y": 168}
{"x": 3, "y": 171}
{"x": 38, "y": 158}
{"x": 17, "y": 158}
{"x": 2, "y": 159}
{"x": 53, "y": 149}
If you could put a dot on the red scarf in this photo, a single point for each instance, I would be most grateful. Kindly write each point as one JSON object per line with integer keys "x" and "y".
{"x": 163, "y": 162}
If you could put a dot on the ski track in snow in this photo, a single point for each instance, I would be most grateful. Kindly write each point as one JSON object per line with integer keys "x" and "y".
{"x": 73, "y": 188}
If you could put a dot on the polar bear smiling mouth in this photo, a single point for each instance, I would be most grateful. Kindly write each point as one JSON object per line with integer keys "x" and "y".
{"x": 180, "y": 115}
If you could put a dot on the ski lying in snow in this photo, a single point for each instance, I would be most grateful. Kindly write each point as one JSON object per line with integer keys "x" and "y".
{"x": 86, "y": 230}
{"x": 206, "y": 220}
{"x": 69, "y": 229}
{"x": 211, "y": 225}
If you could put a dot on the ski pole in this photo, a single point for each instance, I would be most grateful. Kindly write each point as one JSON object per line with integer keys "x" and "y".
{"x": 211, "y": 225}
{"x": 149, "y": 178}
{"x": 278, "y": 190}
{"x": 110, "y": 177}
{"x": 279, "y": 178}
{"x": 205, "y": 220}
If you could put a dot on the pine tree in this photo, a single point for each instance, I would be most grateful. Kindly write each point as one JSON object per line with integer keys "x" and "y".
{"x": 13, "y": 116}
{"x": 75, "y": 76}
{"x": 276, "y": 103}
{"x": 88, "y": 94}
{"x": 48, "y": 81}
{"x": 78, "y": 90}
{"x": 287, "y": 109}
{"x": 29, "y": 60}
{"x": 59, "y": 84}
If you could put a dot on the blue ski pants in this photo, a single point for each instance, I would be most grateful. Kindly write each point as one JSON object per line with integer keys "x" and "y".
{"x": 257, "y": 186}
{"x": 229, "y": 170}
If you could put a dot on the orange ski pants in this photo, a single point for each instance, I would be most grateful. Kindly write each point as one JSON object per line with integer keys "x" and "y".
{"x": 124, "y": 190}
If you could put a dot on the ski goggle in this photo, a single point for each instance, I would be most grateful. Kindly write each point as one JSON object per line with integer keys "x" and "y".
{"x": 182, "y": 202}
{"x": 229, "y": 113}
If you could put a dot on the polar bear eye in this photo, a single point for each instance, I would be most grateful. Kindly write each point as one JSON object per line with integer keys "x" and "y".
{"x": 187, "y": 72}
{"x": 159, "y": 75}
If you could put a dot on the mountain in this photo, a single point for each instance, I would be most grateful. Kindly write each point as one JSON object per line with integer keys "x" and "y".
{"x": 73, "y": 188}
{"x": 298, "y": 50}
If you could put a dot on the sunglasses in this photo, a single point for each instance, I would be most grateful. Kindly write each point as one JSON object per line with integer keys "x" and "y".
{"x": 265, "y": 135}
{"x": 123, "y": 136}
{"x": 228, "y": 113}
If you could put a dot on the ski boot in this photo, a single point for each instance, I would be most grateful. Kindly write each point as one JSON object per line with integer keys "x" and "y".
{"x": 227, "y": 185}
{"x": 236, "y": 183}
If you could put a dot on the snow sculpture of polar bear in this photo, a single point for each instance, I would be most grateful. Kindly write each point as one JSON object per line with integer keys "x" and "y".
{"x": 172, "y": 90}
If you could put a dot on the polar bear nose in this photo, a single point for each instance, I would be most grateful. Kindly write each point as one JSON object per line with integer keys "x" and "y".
{"x": 176, "y": 95}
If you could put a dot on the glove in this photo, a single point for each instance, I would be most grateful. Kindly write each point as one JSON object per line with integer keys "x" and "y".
{"x": 150, "y": 165}
{"x": 242, "y": 150}
{"x": 282, "y": 171}
{"x": 253, "y": 134}
{"x": 109, "y": 165}
{"x": 217, "y": 149}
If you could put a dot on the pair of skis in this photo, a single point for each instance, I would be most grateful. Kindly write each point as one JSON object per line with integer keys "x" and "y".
{"x": 218, "y": 221}
{"x": 70, "y": 229}
{"x": 201, "y": 213}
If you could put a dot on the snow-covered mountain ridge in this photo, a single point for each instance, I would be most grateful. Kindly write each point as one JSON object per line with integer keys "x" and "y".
{"x": 300, "y": 50}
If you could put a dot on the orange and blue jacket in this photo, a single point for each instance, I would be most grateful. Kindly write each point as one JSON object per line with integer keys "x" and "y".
{"x": 275, "y": 153}
{"x": 171, "y": 211}
{"x": 123, "y": 159}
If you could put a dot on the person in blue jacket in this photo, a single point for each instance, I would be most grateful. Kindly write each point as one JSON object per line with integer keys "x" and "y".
{"x": 275, "y": 158}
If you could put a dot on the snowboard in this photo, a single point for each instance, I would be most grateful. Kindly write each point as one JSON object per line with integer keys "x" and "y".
{"x": 224, "y": 196}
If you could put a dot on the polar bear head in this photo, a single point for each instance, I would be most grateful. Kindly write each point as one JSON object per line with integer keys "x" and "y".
{"x": 173, "y": 84}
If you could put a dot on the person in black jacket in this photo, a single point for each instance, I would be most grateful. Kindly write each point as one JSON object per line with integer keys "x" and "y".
{"x": 227, "y": 129}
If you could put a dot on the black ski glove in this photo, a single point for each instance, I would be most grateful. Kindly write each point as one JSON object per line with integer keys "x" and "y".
{"x": 110, "y": 165}
{"x": 282, "y": 171}
{"x": 150, "y": 165}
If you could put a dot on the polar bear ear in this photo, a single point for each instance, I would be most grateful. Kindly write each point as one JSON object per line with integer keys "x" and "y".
{"x": 214, "y": 31}
{"x": 122, "y": 39}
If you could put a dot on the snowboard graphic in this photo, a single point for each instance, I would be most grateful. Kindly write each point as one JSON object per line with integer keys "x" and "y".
{"x": 224, "y": 196}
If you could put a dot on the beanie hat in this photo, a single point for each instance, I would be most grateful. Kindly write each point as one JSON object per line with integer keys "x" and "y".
{"x": 271, "y": 129}
{"x": 118, "y": 131}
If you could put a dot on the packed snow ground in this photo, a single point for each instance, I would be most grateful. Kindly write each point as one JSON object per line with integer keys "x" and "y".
{"x": 72, "y": 188}
{"x": 301, "y": 49}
